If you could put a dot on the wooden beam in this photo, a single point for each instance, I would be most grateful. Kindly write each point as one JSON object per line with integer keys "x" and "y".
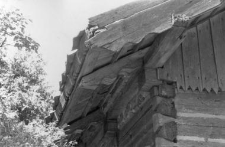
{"x": 154, "y": 20}
{"x": 123, "y": 12}
{"x": 110, "y": 137}
{"x": 164, "y": 46}
{"x": 89, "y": 134}
{"x": 84, "y": 122}
{"x": 111, "y": 71}
{"x": 127, "y": 74}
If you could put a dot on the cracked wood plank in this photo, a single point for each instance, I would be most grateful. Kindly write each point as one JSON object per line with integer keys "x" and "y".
{"x": 191, "y": 61}
{"x": 207, "y": 58}
{"x": 123, "y": 12}
{"x": 153, "y": 20}
{"x": 164, "y": 46}
{"x": 218, "y": 35}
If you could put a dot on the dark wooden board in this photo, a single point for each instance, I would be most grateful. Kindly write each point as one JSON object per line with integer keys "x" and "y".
{"x": 176, "y": 70}
{"x": 218, "y": 35}
{"x": 189, "y": 141}
{"x": 191, "y": 61}
{"x": 212, "y": 104}
{"x": 207, "y": 58}
{"x": 84, "y": 122}
{"x": 173, "y": 69}
{"x": 78, "y": 96}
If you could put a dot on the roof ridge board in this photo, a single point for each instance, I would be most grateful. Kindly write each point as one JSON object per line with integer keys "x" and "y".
{"x": 152, "y": 20}
{"x": 123, "y": 12}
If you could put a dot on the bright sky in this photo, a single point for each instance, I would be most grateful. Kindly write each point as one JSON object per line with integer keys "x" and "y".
{"x": 55, "y": 23}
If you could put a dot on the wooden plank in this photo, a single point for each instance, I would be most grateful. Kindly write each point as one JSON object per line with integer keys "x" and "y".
{"x": 138, "y": 130}
{"x": 122, "y": 12}
{"x": 218, "y": 35}
{"x": 97, "y": 139}
{"x": 147, "y": 139}
{"x": 201, "y": 132}
{"x": 164, "y": 46}
{"x": 211, "y": 104}
{"x": 98, "y": 95}
{"x": 84, "y": 122}
{"x": 90, "y": 82}
{"x": 164, "y": 72}
{"x": 191, "y": 61}
{"x": 78, "y": 96}
{"x": 207, "y": 59}
{"x": 111, "y": 71}
{"x": 196, "y": 143}
{"x": 189, "y": 142}
{"x": 154, "y": 20}
{"x": 127, "y": 94}
{"x": 161, "y": 142}
{"x": 177, "y": 69}
{"x": 134, "y": 119}
{"x": 201, "y": 119}
{"x": 150, "y": 79}
{"x": 147, "y": 111}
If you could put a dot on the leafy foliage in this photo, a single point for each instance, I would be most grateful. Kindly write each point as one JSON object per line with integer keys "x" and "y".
{"x": 12, "y": 27}
{"x": 25, "y": 99}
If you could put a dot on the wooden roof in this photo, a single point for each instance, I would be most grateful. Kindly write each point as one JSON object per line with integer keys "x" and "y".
{"x": 118, "y": 45}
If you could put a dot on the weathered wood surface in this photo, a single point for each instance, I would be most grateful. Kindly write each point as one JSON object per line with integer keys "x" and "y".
{"x": 80, "y": 124}
{"x": 133, "y": 120}
{"x": 98, "y": 96}
{"x": 137, "y": 130}
{"x": 100, "y": 67}
{"x": 109, "y": 139}
{"x": 218, "y": 36}
{"x": 189, "y": 142}
{"x": 97, "y": 138}
{"x": 212, "y": 104}
{"x": 207, "y": 58}
{"x": 150, "y": 79}
{"x": 111, "y": 71}
{"x": 89, "y": 83}
{"x": 173, "y": 69}
{"x": 131, "y": 91}
{"x": 123, "y": 12}
{"x": 78, "y": 41}
{"x": 164, "y": 46}
{"x": 92, "y": 59}
{"x": 200, "y": 119}
{"x": 201, "y": 132}
{"x": 89, "y": 134}
{"x": 154, "y": 20}
{"x": 191, "y": 61}
{"x": 76, "y": 104}
{"x": 146, "y": 140}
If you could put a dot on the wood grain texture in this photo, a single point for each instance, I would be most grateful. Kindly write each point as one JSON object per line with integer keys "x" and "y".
{"x": 150, "y": 79}
{"x": 218, "y": 36}
{"x": 81, "y": 124}
{"x": 79, "y": 96}
{"x": 207, "y": 58}
{"x": 191, "y": 61}
{"x": 111, "y": 71}
{"x": 154, "y": 20}
{"x": 164, "y": 46}
{"x": 213, "y": 104}
{"x": 201, "y": 132}
{"x": 123, "y": 12}
{"x": 173, "y": 69}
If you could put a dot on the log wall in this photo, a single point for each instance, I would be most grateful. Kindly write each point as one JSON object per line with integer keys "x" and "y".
{"x": 184, "y": 119}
